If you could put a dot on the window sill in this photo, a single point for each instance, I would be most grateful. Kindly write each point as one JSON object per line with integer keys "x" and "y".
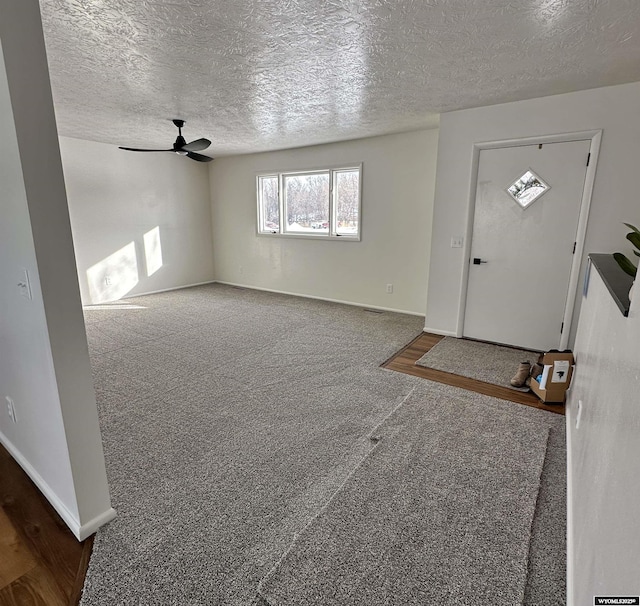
{"x": 310, "y": 237}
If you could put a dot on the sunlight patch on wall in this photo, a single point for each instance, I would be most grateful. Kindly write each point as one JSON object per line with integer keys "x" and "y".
{"x": 114, "y": 276}
{"x": 153, "y": 250}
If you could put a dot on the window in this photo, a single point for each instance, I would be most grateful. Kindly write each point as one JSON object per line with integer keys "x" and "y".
{"x": 316, "y": 203}
{"x": 270, "y": 205}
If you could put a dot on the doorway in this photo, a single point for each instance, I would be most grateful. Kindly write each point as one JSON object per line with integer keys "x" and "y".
{"x": 529, "y": 215}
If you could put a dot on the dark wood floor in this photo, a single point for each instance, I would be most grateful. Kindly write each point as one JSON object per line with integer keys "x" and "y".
{"x": 41, "y": 562}
{"x": 405, "y": 361}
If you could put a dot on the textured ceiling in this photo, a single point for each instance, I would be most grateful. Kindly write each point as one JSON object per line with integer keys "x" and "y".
{"x": 273, "y": 74}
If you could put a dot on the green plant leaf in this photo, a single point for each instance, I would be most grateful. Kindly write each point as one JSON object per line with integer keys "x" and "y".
{"x": 633, "y": 228}
{"x": 636, "y": 253}
{"x": 634, "y": 238}
{"x": 625, "y": 264}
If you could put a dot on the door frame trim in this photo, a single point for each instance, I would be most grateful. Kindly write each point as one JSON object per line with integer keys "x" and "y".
{"x": 595, "y": 137}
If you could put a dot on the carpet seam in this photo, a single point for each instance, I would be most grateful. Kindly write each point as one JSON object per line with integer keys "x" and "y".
{"x": 527, "y": 534}
{"x": 533, "y": 518}
{"x": 374, "y": 446}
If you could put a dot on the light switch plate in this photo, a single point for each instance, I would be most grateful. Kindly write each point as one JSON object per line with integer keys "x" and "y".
{"x": 457, "y": 242}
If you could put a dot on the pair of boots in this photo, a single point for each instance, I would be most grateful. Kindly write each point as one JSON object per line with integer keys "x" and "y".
{"x": 524, "y": 373}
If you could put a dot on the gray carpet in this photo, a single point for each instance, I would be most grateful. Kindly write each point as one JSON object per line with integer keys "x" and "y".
{"x": 546, "y": 582}
{"x": 421, "y": 522}
{"x": 486, "y": 362}
{"x": 230, "y": 418}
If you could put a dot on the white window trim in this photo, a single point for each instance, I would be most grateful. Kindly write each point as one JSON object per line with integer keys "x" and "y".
{"x": 332, "y": 235}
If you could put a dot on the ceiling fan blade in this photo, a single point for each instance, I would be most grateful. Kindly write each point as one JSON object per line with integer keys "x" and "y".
{"x": 145, "y": 150}
{"x": 197, "y": 145}
{"x": 199, "y": 157}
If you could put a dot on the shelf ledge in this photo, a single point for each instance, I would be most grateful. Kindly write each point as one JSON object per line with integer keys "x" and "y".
{"x": 617, "y": 281}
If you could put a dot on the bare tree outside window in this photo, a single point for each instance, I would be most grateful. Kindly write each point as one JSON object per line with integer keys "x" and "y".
{"x": 307, "y": 201}
{"x": 270, "y": 208}
{"x": 527, "y": 189}
{"x": 320, "y": 203}
{"x": 347, "y": 201}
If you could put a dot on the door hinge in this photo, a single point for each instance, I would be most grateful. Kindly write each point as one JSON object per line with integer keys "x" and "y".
{"x": 574, "y": 249}
{"x": 561, "y": 327}
{"x": 588, "y": 158}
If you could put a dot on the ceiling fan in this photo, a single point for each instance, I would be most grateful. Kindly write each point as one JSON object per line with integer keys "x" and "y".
{"x": 181, "y": 147}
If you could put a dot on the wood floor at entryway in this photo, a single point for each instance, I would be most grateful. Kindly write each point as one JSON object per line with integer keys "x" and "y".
{"x": 41, "y": 562}
{"x": 405, "y": 361}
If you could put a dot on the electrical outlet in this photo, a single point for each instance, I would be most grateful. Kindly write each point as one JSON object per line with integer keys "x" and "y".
{"x": 107, "y": 280}
{"x": 11, "y": 409}
{"x": 389, "y": 289}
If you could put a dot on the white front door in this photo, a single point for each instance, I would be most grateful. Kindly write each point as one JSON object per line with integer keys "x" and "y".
{"x": 522, "y": 252}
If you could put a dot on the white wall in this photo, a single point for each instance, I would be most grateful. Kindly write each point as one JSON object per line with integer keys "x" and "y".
{"x": 615, "y": 198}
{"x": 397, "y": 199}
{"x": 45, "y": 362}
{"x": 115, "y": 198}
{"x": 604, "y": 483}
{"x": 25, "y": 341}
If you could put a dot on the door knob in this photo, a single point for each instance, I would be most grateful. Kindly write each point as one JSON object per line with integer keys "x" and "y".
{"x": 477, "y": 261}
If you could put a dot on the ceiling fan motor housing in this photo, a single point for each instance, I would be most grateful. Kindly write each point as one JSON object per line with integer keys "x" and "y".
{"x": 180, "y": 140}
{"x": 179, "y": 144}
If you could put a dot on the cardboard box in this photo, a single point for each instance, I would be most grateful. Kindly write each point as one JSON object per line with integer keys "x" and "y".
{"x": 556, "y": 377}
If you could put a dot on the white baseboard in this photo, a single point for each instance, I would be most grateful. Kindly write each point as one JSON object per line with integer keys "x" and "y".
{"x": 155, "y": 292}
{"x": 88, "y": 528}
{"x": 148, "y": 292}
{"x": 81, "y": 531}
{"x": 443, "y": 333}
{"x": 280, "y": 292}
{"x": 297, "y": 294}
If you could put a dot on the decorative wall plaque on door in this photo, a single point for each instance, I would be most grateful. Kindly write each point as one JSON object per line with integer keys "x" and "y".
{"x": 527, "y": 189}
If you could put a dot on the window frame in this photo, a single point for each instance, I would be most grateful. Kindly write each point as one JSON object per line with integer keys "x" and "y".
{"x": 282, "y": 232}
